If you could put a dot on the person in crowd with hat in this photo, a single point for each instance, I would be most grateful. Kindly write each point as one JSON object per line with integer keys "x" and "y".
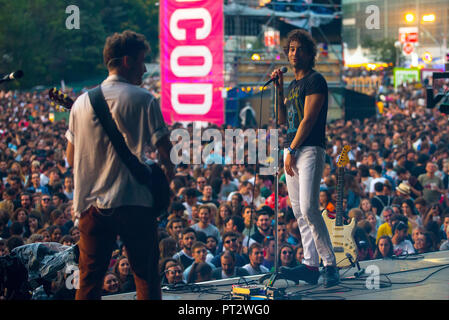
{"x": 402, "y": 192}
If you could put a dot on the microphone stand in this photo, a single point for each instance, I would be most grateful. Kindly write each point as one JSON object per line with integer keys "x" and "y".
{"x": 276, "y": 274}
{"x": 360, "y": 271}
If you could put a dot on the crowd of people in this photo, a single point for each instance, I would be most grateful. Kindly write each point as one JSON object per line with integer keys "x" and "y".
{"x": 221, "y": 220}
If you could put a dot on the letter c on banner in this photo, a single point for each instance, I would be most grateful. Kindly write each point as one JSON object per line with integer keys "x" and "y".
{"x": 190, "y": 14}
{"x": 204, "y": 89}
{"x": 191, "y": 71}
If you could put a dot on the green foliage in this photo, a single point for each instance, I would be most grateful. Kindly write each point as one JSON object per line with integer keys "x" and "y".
{"x": 383, "y": 50}
{"x": 34, "y": 37}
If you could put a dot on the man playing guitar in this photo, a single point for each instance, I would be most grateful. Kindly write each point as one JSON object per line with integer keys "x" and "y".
{"x": 109, "y": 199}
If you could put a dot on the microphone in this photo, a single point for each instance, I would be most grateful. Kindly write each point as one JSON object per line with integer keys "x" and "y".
{"x": 283, "y": 70}
{"x": 12, "y": 76}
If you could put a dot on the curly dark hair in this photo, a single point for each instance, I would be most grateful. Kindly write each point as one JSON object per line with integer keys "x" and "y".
{"x": 307, "y": 43}
{"x": 127, "y": 43}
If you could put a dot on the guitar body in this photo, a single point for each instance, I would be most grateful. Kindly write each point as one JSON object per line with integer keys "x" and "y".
{"x": 342, "y": 238}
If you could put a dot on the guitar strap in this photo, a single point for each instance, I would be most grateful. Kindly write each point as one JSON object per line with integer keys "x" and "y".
{"x": 383, "y": 204}
{"x": 301, "y": 110}
{"x": 140, "y": 172}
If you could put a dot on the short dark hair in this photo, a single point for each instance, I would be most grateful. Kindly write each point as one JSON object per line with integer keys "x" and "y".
{"x": 228, "y": 255}
{"x": 265, "y": 210}
{"x": 307, "y": 42}
{"x": 25, "y": 194}
{"x": 204, "y": 206}
{"x": 127, "y": 43}
{"x": 229, "y": 234}
{"x": 378, "y": 186}
{"x": 198, "y": 244}
{"x": 14, "y": 242}
{"x": 254, "y": 246}
{"x": 191, "y": 193}
{"x": 188, "y": 230}
{"x": 377, "y": 168}
{"x": 16, "y": 229}
{"x": 400, "y": 225}
{"x": 289, "y": 215}
{"x": 238, "y": 222}
{"x": 227, "y": 174}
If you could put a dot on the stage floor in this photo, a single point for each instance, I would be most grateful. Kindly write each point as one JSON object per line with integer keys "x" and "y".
{"x": 420, "y": 277}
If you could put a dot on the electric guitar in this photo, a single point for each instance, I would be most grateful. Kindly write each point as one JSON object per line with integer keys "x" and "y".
{"x": 62, "y": 101}
{"x": 342, "y": 236}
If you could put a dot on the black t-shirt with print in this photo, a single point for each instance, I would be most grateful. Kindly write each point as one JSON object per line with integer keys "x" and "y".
{"x": 312, "y": 83}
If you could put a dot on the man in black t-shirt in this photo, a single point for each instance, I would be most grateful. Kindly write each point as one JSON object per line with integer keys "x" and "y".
{"x": 304, "y": 110}
{"x": 379, "y": 200}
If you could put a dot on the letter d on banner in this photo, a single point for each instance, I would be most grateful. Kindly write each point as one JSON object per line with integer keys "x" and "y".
{"x": 198, "y": 89}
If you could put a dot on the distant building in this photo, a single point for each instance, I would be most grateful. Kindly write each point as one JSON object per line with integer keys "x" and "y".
{"x": 432, "y": 35}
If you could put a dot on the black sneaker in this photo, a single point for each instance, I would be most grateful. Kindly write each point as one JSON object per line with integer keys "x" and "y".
{"x": 331, "y": 276}
{"x": 300, "y": 272}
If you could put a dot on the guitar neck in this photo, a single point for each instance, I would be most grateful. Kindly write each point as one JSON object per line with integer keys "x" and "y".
{"x": 340, "y": 190}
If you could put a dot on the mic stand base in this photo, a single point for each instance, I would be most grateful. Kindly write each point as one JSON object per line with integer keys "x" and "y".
{"x": 272, "y": 278}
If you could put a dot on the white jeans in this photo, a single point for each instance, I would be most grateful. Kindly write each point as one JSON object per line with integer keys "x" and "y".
{"x": 304, "y": 191}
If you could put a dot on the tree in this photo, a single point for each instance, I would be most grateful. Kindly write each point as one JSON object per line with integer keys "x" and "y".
{"x": 383, "y": 50}
{"x": 34, "y": 37}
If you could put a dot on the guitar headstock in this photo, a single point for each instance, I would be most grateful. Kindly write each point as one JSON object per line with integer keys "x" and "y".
{"x": 60, "y": 98}
{"x": 343, "y": 158}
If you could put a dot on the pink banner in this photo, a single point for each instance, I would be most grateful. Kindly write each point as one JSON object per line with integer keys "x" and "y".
{"x": 191, "y": 55}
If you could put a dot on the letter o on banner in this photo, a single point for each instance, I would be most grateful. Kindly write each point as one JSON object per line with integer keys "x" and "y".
{"x": 190, "y": 14}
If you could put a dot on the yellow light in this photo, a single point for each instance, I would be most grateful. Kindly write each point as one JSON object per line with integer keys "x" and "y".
{"x": 409, "y": 17}
{"x": 428, "y": 17}
{"x": 255, "y": 57}
{"x": 427, "y": 57}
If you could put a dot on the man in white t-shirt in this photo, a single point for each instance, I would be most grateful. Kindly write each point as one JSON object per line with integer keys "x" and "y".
{"x": 376, "y": 173}
{"x": 401, "y": 246}
{"x": 109, "y": 200}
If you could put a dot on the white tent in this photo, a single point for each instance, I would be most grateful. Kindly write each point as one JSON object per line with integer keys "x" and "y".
{"x": 357, "y": 58}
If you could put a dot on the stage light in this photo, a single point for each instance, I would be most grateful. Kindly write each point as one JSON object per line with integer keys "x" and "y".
{"x": 409, "y": 17}
{"x": 427, "y": 57}
{"x": 428, "y": 17}
{"x": 255, "y": 57}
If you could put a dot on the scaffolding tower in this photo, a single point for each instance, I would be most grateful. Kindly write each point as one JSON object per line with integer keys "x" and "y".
{"x": 254, "y": 48}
